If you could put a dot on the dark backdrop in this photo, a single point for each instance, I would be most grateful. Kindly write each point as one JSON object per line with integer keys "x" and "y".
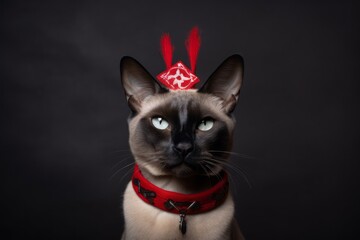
{"x": 63, "y": 112}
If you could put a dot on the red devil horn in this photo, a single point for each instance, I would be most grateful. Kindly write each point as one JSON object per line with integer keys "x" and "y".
{"x": 166, "y": 49}
{"x": 193, "y": 46}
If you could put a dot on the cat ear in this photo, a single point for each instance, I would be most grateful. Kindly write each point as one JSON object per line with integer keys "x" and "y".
{"x": 137, "y": 82}
{"x": 226, "y": 81}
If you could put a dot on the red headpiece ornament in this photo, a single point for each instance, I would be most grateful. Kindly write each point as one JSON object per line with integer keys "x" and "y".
{"x": 178, "y": 76}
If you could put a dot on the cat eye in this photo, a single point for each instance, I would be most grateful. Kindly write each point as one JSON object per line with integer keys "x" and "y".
{"x": 206, "y": 124}
{"x": 159, "y": 123}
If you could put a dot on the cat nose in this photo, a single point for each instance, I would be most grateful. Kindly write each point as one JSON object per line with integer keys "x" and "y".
{"x": 184, "y": 148}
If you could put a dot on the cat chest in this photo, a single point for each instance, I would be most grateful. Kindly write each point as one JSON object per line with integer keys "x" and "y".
{"x": 143, "y": 221}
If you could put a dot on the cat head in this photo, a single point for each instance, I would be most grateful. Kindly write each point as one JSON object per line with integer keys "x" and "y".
{"x": 182, "y": 132}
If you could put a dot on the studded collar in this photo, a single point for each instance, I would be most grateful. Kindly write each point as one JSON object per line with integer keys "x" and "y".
{"x": 174, "y": 202}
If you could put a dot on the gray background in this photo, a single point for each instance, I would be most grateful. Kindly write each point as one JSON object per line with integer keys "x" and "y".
{"x": 63, "y": 112}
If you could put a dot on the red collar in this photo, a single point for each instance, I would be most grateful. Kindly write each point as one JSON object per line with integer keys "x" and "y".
{"x": 174, "y": 202}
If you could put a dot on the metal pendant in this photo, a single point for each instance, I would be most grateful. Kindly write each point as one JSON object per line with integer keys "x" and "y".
{"x": 182, "y": 223}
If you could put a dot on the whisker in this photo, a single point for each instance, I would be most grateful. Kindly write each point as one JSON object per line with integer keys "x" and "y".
{"x": 120, "y": 169}
{"x": 119, "y": 151}
{"x": 130, "y": 170}
{"x": 217, "y": 175}
{"x": 206, "y": 171}
{"x": 230, "y": 167}
{"x": 125, "y": 159}
{"x": 241, "y": 155}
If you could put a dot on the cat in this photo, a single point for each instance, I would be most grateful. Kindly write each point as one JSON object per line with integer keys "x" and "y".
{"x": 179, "y": 140}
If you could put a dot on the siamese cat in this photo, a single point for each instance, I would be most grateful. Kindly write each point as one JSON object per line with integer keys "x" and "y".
{"x": 179, "y": 140}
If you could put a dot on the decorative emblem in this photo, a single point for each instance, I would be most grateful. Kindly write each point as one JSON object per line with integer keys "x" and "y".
{"x": 221, "y": 195}
{"x": 178, "y": 76}
{"x": 149, "y": 195}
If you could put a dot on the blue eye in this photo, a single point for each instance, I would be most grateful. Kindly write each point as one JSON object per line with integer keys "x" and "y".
{"x": 159, "y": 123}
{"x": 206, "y": 124}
